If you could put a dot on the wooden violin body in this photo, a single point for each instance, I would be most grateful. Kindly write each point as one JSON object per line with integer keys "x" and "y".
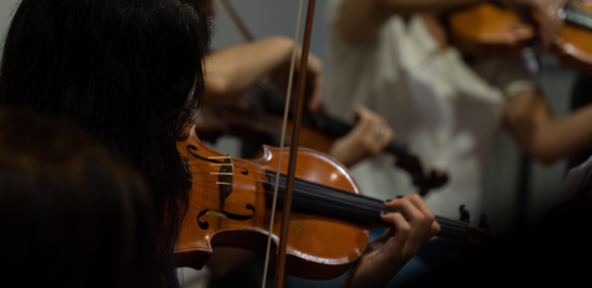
{"x": 489, "y": 29}
{"x": 231, "y": 200}
{"x": 231, "y": 204}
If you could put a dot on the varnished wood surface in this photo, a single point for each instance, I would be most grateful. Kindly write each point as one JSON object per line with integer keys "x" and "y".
{"x": 318, "y": 247}
{"x": 574, "y": 44}
{"x": 486, "y": 29}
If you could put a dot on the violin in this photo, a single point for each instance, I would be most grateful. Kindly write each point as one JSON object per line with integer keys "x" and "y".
{"x": 256, "y": 118}
{"x": 490, "y": 29}
{"x": 231, "y": 201}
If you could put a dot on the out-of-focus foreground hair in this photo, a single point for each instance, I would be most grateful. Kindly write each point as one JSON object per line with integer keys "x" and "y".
{"x": 71, "y": 215}
{"x": 123, "y": 69}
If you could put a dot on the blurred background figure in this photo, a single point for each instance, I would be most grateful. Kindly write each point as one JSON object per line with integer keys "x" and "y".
{"x": 448, "y": 105}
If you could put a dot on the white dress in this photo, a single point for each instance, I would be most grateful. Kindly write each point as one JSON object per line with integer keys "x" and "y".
{"x": 449, "y": 112}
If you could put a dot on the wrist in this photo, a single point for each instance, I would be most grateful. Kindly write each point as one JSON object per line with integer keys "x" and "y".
{"x": 347, "y": 151}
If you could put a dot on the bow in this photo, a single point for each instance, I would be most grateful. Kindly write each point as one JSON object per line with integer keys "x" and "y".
{"x": 281, "y": 254}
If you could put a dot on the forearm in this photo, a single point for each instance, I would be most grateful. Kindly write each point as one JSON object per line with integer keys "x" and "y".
{"x": 565, "y": 136}
{"x": 234, "y": 69}
{"x": 548, "y": 138}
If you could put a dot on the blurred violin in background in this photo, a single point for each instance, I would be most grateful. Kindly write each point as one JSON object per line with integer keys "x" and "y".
{"x": 487, "y": 28}
{"x": 256, "y": 119}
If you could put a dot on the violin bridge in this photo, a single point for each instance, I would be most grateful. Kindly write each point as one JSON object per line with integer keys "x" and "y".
{"x": 225, "y": 180}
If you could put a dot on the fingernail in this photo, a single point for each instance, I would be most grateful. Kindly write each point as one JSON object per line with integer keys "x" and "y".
{"x": 389, "y": 200}
{"x": 384, "y": 213}
{"x": 399, "y": 197}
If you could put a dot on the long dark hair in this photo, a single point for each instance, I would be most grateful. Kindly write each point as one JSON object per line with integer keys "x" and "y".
{"x": 69, "y": 210}
{"x": 122, "y": 69}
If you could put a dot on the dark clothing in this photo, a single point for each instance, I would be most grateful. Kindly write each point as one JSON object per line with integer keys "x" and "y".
{"x": 580, "y": 97}
{"x": 558, "y": 248}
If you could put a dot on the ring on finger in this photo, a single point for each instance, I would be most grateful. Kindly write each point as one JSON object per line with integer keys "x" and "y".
{"x": 551, "y": 11}
{"x": 379, "y": 132}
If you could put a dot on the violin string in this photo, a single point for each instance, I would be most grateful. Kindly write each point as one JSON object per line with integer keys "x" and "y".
{"x": 302, "y": 183}
{"x": 264, "y": 172}
{"x": 228, "y": 164}
{"x": 310, "y": 186}
{"x": 226, "y": 157}
{"x": 211, "y": 164}
{"x": 322, "y": 192}
{"x": 219, "y": 157}
{"x": 453, "y": 228}
{"x": 282, "y": 142}
{"x": 260, "y": 167}
{"x": 235, "y": 174}
{"x": 258, "y": 171}
{"x": 243, "y": 176}
{"x": 213, "y": 173}
{"x": 213, "y": 182}
{"x": 251, "y": 171}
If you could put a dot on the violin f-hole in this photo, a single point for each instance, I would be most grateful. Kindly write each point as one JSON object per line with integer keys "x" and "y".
{"x": 224, "y": 215}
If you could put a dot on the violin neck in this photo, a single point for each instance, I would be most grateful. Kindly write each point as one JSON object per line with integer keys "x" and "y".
{"x": 325, "y": 123}
{"x": 340, "y": 204}
{"x": 338, "y": 128}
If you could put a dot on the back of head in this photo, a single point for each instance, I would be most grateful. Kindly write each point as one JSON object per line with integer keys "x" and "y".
{"x": 70, "y": 214}
{"x": 123, "y": 69}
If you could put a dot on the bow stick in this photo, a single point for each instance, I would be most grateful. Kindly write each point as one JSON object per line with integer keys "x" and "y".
{"x": 281, "y": 256}
{"x": 282, "y": 142}
{"x": 245, "y": 33}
